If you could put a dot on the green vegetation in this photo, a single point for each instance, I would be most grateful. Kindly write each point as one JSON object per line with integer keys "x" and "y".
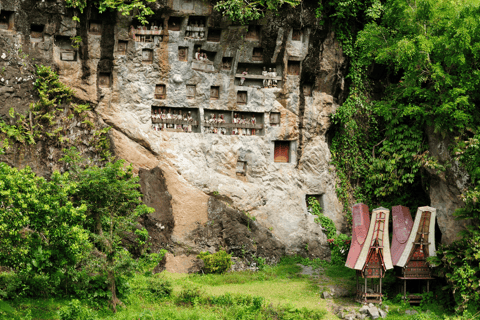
{"x": 50, "y": 117}
{"x": 63, "y": 236}
{"x": 339, "y": 243}
{"x": 139, "y": 8}
{"x": 277, "y": 292}
{"x": 423, "y": 55}
{"x": 245, "y": 11}
{"x": 219, "y": 262}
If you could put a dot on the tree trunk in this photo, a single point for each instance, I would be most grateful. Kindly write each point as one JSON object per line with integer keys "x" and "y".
{"x": 113, "y": 290}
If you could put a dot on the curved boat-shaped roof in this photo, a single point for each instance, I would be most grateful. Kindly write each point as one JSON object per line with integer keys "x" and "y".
{"x": 421, "y": 216}
{"x": 402, "y": 226}
{"x": 378, "y": 231}
{"x": 361, "y": 221}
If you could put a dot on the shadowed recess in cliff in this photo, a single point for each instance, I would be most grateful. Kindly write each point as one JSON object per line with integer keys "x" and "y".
{"x": 155, "y": 194}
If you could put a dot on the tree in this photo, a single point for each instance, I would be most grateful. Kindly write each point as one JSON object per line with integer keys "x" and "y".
{"x": 138, "y": 8}
{"x": 244, "y": 11}
{"x": 113, "y": 204}
{"x": 41, "y": 230}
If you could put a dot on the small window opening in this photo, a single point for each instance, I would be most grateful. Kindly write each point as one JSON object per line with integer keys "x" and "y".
{"x": 191, "y": 91}
{"x": 241, "y": 97}
{"x": 274, "y": 119}
{"x": 293, "y": 67}
{"x": 214, "y": 35}
{"x": 95, "y": 27}
{"x": 307, "y": 90}
{"x": 253, "y": 33}
{"x": 214, "y": 92}
{"x": 147, "y": 56}
{"x": 104, "y": 80}
{"x": 282, "y": 151}
{"x": 122, "y": 46}
{"x": 241, "y": 168}
{"x": 175, "y": 23}
{"x": 183, "y": 54}
{"x": 227, "y": 63}
{"x": 6, "y": 20}
{"x": 36, "y": 33}
{"x": 160, "y": 91}
{"x": 257, "y": 54}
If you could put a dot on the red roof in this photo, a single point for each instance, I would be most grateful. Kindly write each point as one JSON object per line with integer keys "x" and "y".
{"x": 402, "y": 226}
{"x": 361, "y": 223}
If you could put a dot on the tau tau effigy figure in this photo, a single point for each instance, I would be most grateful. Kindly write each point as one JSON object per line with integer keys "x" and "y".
{"x": 270, "y": 77}
{"x": 243, "y": 121}
{"x": 163, "y": 115}
{"x": 189, "y": 120}
{"x": 274, "y": 76}
{"x": 197, "y": 54}
{"x": 265, "y": 75}
{"x": 242, "y": 79}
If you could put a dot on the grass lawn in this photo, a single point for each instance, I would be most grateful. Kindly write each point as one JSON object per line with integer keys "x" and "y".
{"x": 276, "y": 292}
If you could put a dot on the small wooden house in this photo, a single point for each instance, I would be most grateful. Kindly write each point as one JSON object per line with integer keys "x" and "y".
{"x": 369, "y": 252}
{"x": 412, "y": 244}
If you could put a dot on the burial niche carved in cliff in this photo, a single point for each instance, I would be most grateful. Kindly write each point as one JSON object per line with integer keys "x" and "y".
{"x": 282, "y": 151}
{"x": 104, "y": 80}
{"x": 36, "y": 33}
{"x": 191, "y": 91}
{"x": 293, "y": 67}
{"x": 214, "y": 92}
{"x": 241, "y": 97}
{"x": 147, "y": 56}
{"x": 175, "y": 23}
{"x": 7, "y": 20}
{"x": 214, "y": 35}
{"x": 122, "y": 46}
{"x": 160, "y": 91}
{"x": 227, "y": 63}
{"x": 95, "y": 27}
{"x": 274, "y": 119}
{"x": 65, "y": 49}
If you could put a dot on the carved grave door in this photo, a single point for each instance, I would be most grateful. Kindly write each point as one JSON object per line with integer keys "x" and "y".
{"x": 191, "y": 90}
{"x": 282, "y": 151}
{"x": 275, "y": 118}
{"x": 147, "y": 56}
{"x": 182, "y": 54}
{"x": 242, "y": 97}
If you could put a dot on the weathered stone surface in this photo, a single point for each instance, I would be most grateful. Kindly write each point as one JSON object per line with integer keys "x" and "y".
{"x": 446, "y": 187}
{"x": 382, "y": 313}
{"x": 363, "y": 309}
{"x": 373, "y": 312}
{"x": 180, "y": 171}
{"x": 237, "y": 233}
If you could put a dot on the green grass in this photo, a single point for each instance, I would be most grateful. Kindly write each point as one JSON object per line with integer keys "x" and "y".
{"x": 275, "y": 292}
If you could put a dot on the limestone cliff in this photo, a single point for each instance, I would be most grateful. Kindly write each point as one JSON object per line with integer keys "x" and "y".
{"x": 190, "y": 60}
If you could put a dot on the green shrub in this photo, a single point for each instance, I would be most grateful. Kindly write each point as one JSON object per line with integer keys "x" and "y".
{"x": 159, "y": 287}
{"x": 191, "y": 294}
{"x": 9, "y": 284}
{"x": 75, "y": 311}
{"x": 218, "y": 262}
{"x": 339, "y": 244}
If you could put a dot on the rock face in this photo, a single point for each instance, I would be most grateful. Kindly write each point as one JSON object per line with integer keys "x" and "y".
{"x": 446, "y": 188}
{"x": 128, "y": 73}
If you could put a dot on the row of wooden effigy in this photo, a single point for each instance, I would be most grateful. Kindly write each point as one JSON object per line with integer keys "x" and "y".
{"x": 370, "y": 255}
